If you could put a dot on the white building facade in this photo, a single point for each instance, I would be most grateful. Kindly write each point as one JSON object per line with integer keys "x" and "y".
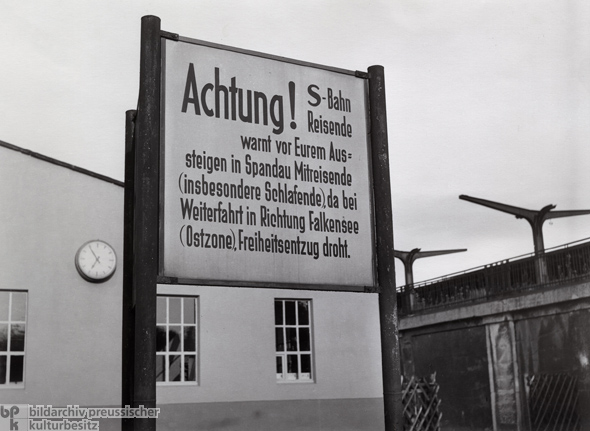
{"x": 228, "y": 358}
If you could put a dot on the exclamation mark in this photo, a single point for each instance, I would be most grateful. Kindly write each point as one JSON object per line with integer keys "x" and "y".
{"x": 292, "y": 100}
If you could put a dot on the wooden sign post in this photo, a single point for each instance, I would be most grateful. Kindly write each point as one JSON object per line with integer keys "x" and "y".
{"x": 247, "y": 169}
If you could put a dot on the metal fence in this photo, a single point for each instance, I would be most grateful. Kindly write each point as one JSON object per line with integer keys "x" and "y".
{"x": 421, "y": 404}
{"x": 552, "y": 401}
{"x": 562, "y": 264}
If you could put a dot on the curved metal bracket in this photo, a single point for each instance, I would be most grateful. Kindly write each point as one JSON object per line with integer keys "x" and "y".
{"x": 408, "y": 258}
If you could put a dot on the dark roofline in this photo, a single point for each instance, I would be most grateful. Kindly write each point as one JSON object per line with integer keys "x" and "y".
{"x": 62, "y": 164}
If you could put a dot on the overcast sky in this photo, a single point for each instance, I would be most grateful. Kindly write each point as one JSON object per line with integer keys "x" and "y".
{"x": 485, "y": 98}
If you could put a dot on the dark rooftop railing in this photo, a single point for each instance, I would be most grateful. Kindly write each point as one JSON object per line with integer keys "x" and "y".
{"x": 500, "y": 279}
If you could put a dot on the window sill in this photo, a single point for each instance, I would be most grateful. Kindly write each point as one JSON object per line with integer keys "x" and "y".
{"x": 19, "y": 386}
{"x": 173, "y": 384}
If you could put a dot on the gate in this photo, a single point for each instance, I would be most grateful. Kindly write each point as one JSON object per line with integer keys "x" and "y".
{"x": 421, "y": 404}
{"x": 552, "y": 400}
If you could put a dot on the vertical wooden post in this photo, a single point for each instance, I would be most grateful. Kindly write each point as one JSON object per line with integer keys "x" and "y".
{"x": 128, "y": 317}
{"x": 390, "y": 357}
{"x": 145, "y": 247}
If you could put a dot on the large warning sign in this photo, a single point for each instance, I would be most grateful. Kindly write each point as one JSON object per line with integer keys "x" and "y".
{"x": 266, "y": 174}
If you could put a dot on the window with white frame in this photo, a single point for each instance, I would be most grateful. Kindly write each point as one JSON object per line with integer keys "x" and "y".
{"x": 176, "y": 340}
{"x": 13, "y": 316}
{"x": 293, "y": 339}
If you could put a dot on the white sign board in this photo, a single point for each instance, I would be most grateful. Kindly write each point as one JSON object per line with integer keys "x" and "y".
{"x": 266, "y": 173}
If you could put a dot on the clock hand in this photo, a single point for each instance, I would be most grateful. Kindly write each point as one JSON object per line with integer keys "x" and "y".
{"x": 97, "y": 258}
{"x": 94, "y": 254}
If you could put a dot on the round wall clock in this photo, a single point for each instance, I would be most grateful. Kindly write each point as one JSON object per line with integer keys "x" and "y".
{"x": 96, "y": 261}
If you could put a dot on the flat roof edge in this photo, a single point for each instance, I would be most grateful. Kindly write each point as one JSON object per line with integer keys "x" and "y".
{"x": 61, "y": 164}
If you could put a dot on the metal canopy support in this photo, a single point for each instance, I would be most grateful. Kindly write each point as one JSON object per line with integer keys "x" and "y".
{"x": 536, "y": 220}
{"x": 408, "y": 258}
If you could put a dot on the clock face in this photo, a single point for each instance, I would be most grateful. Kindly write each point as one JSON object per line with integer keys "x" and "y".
{"x": 96, "y": 261}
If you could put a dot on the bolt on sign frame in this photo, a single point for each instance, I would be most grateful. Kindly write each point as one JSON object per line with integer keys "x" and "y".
{"x": 247, "y": 169}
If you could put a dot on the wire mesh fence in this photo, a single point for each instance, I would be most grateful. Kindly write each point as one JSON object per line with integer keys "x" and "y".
{"x": 421, "y": 404}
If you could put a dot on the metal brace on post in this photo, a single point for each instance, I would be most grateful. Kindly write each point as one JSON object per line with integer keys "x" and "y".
{"x": 128, "y": 314}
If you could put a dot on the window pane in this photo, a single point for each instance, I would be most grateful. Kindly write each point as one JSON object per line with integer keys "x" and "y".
{"x": 161, "y": 310}
{"x": 16, "y": 369}
{"x": 174, "y": 339}
{"x": 160, "y": 371}
{"x": 17, "y": 338}
{"x": 304, "y": 344}
{"x": 19, "y": 306}
{"x": 190, "y": 374}
{"x": 174, "y": 368}
{"x": 174, "y": 310}
{"x": 303, "y": 311}
{"x": 280, "y": 342}
{"x": 2, "y": 370}
{"x": 189, "y": 310}
{"x": 3, "y": 337}
{"x": 176, "y": 334}
{"x": 189, "y": 339}
{"x": 306, "y": 364}
{"x": 293, "y": 335}
{"x": 160, "y": 338}
{"x": 291, "y": 339}
{"x": 292, "y": 366}
{"x": 4, "y": 302}
{"x": 278, "y": 312}
{"x": 290, "y": 312}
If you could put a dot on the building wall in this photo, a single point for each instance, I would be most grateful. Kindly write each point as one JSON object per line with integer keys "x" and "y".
{"x": 73, "y": 328}
{"x": 459, "y": 359}
{"x": 554, "y": 344}
{"x": 482, "y": 354}
{"x": 237, "y": 361}
{"x": 321, "y": 415}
